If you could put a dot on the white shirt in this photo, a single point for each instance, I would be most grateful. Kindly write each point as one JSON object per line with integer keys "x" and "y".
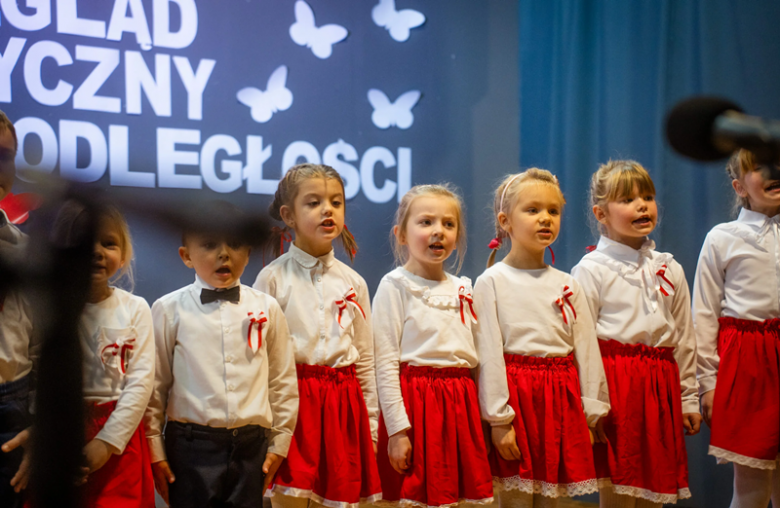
{"x": 207, "y": 373}
{"x": 738, "y": 276}
{"x": 520, "y": 313}
{"x": 312, "y": 293}
{"x": 625, "y": 292}
{"x": 18, "y": 346}
{"x": 119, "y": 327}
{"x": 417, "y": 321}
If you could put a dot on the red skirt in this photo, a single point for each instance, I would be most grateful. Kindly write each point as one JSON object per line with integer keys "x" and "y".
{"x": 449, "y": 458}
{"x": 645, "y": 457}
{"x": 331, "y": 459}
{"x": 125, "y": 481}
{"x": 552, "y": 431}
{"x": 746, "y": 411}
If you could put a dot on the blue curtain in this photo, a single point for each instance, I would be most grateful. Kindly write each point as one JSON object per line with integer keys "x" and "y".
{"x": 596, "y": 81}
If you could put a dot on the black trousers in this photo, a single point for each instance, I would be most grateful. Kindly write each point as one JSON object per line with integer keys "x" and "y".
{"x": 14, "y": 418}
{"x": 216, "y": 468}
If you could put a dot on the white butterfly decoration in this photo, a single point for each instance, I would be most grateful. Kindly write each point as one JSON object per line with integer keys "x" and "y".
{"x": 277, "y": 97}
{"x": 305, "y": 33}
{"x": 398, "y": 23}
{"x": 398, "y": 113}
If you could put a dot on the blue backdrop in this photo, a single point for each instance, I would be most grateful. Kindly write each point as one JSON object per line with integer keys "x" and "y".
{"x": 597, "y": 79}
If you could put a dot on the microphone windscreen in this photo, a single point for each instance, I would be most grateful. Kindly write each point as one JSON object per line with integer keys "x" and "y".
{"x": 689, "y": 126}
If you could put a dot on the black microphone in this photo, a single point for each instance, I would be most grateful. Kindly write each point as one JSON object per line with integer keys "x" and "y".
{"x": 711, "y": 128}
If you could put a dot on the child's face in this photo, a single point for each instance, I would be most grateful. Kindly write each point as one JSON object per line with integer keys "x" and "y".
{"x": 107, "y": 257}
{"x": 535, "y": 219}
{"x": 629, "y": 219}
{"x": 219, "y": 263}
{"x": 317, "y": 215}
{"x": 7, "y": 164}
{"x": 431, "y": 232}
{"x": 762, "y": 188}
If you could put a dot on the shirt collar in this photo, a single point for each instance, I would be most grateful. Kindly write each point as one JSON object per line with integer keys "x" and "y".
{"x": 308, "y": 261}
{"x": 755, "y": 219}
{"x": 623, "y": 252}
{"x": 201, "y": 284}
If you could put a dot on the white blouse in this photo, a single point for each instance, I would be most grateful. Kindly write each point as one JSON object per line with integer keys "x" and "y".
{"x": 419, "y": 322}
{"x": 641, "y": 297}
{"x": 212, "y": 370}
{"x": 117, "y": 347}
{"x": 738, "y": 276}
{"x": 328, "y": 311}
{"x": 539, "y": 313}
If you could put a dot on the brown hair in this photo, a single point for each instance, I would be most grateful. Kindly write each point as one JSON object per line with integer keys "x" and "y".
{"x": 288, "y": 191}
{"x": 741, "y": 163}
{"x": 505, "y": 197}
{"x": 617, "y": 179}
{"x": 6, "y": 124}
{"x": 402, "y": 216}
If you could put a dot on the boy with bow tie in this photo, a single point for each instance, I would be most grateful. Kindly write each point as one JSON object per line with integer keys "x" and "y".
{"x": 225, "y": 379}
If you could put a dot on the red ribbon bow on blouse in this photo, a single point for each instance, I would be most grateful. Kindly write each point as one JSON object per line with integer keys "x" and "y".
{"x": 665, "y": 286}
{"x": 257, "y": 322}
{"x": 465, "y": 296}
{"x": 122, "y": 349}
{"x": 349, "y": 297}
{"x": 563, "y": 301}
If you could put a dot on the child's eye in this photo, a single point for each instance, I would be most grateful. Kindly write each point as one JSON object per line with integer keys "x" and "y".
{"x": 425, "y": 222}
{"x": 554, "y": 212}
{"x": 532, "y": 210}
{"x": 336, "y": 203}
{"x": 650, "y": 198}
{"x": 314, "y": 203}
{"x": 235, "y": 245}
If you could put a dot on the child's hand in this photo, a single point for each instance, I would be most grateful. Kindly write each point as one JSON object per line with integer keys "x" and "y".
{"x": 692, "y": 423}
{"x": 505, "y": 440}
{"x": 97, "y": 452}
{"x": 271, "y": 464}
{"x": 375, "y": 449}
{"x": 22, "y": 476}
{"x": 162, "y": 477}
{"x": 597, "y": 434}
{"x": 707, "y": 400}
{"x": 399, "y": 448}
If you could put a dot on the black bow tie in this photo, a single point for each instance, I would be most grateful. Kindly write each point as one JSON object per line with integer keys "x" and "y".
{"x": 229, "y": 295}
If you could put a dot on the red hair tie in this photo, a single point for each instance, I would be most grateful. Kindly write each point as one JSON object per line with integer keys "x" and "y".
{"x": 354, "y": 251}
{"x": 284, "y": 236}
{"x": 552, "y": 255}
{"x": 495, "y": 243}
{"x": 590, "y": 248}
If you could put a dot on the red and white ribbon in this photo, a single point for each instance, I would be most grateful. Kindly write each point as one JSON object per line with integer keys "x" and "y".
{"x": 350, "y": 297}
{"x": 665, "y": 286}
{"x": 465, "y": 298}
{"x": 563, "y": 301}
{"x": 258, "y": 323}
{"x": 118, "y": 354}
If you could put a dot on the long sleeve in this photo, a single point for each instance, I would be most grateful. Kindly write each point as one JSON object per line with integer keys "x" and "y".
{"x": 363, "y": 340}
{"x": 388, "y": 327}
{"x": 593, "y": 381}
{"x": 491, "y": 371}
{"x": 685, "y": 350}
{"x": 282, "y": 383}
{"x": 590, "y": 288}
{"x": 708, "y": 293}
{"x": 154, "y": 419}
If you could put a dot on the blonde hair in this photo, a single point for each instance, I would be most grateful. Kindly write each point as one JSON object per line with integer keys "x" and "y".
{"x": 505, "y": 198}
{"x": 288, "y": 191}
{"x": 445, "y": 190}
{"x": 7, "y": 125}
{"x": 616, "y": 179}
{"x": 112, "y": 215}
{"x": 741, "y": 163}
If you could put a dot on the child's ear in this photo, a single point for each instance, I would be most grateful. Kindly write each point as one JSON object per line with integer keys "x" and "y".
{"x": 503, "y": 221}
{"x": 184, "y": 254}
{"x": 287, "y": 216}
{"x": 601, "y": 216}
{"x": 399, "y": 235}
{"x": 739, "y": 188}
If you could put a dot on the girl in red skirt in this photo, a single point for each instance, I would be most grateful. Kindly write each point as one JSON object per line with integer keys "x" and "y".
{"x": 736, "y": 314}
{"x": 431, "y": 447}
{"x": 541, "y": 380}
{"x": 117, "y": 341}
{"x": 640, "y": 304}
{"x": 332, "y": 458}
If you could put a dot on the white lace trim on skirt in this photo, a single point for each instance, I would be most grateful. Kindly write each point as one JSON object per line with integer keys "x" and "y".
{"x": 725, "y": 456}
{"x": 653, "y": 497}
{"x": 404, "y": 503}
{"x": 544, "y": 488}
{"x": 295, "y": 492}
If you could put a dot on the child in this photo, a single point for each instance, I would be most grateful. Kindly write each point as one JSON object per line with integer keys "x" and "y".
{"x": 117, "y": 350}
{"x": 18, "y": 351}
{"x": 332, "y": 457}
{"x": 737, "y": 319}
{"x": 225, "y": 379}
{"x": 533, "y": 336}
{"x": 431, "y": 447}
{"x": 641, "y": 306}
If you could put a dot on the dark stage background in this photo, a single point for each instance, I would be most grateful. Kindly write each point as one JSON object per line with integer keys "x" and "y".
{"x": 559, "y": 84}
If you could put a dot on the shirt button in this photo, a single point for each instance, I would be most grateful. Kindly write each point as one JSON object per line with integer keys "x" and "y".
{"x": 229, "y": 358}
{"x": 322, "y": 306}
{"x": 235, "y": 432}
{"x": 319, "y": 279}
{"x": 230, "y": 387}
{"x": 227, "y": 329}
